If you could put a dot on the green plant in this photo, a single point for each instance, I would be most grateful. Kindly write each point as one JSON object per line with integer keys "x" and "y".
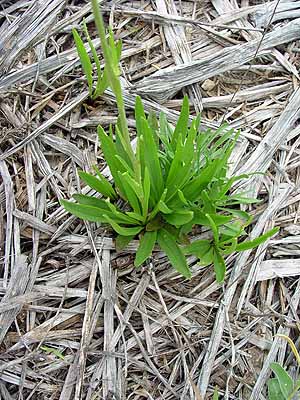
{"x": 86, "y": 61}
{"x": 282, "y": 386}
{"x": 175, "y": 180}
{"x": 216, "y": 394}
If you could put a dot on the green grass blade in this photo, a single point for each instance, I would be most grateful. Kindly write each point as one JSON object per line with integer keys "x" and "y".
{"x": 101, "y": 186}
{"x": 108, "y": 187}
{"x": 85, "y": 212}
{"x": 145, "y": 249}
{"x": 120, "y": 216}
{"x": 182, "y": 123}
{"x": 179, "y": 217}
{"x": 152, "y": 160}
{"x": 146, "y": 196}
{"x": 168, "y": 244}
{"x": 100, "y": 86}
{"x": 91, "y": 201}
{"x": 274, "y": 391}
{"x": 139, "y": 218}
{"x": 181, "y": 167}
{"x": 285, "y": 381}
{"x": 214, "y": 228}
{"x": 130, "y": 193}
{"x": 121, "y": 230}
{"x": 250, "y": 244}
{"x": 198, "y": 248}
{"x": 84, "y": 59}
{"x": 192, "y": 190}
{"x": 219, "y": 265}
{"x": 109, "y": 150}
{"x": 215, "y": 395}
{"x": 139, "y": 115}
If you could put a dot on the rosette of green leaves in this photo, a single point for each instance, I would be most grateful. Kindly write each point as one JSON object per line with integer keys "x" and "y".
{"x": 177, "y": 179}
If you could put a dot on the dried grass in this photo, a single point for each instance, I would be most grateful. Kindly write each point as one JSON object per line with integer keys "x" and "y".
{"x": 77, "y": 320}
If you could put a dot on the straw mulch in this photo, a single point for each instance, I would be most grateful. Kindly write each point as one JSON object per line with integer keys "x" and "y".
{"x": 77, "y": 320}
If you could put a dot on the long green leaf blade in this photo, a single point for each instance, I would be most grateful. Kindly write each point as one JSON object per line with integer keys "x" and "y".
{"x": 109, "y": 150}
{"x": 139, "y": 115}
{"x": 130, "y": 194}
{"x": 170, "y": 247}
{"x": 85, "y": 212}
{"x": 152, "y": 160}
{"x": 182, "y": 123}
{"x": 121, "y": 230}
{"x": 250, "y": 244}
{"x": 274, "y": 391}
{"x": 91, "y": 201}
{"x": 179, "y": 217}
{"x": 199, "y": 248}
{"x": 84, "y": 59}
{"x": 219, "y": 266}
{"x": 145, "y": 249}
{"x": 103, "y": 187}
{"x": 285, "y": 381}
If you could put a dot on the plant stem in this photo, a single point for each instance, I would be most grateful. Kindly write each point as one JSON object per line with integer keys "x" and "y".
{"x": 113, "y": 79}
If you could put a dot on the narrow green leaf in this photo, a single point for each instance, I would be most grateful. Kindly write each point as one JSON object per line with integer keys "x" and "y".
{"x": 145, "y": 249}
{"x": 182, "y": 123}
{"x": 164, "y": 208}
{"x": 199, "y": 248}
{"x": 208, "y": 205}
{"x": 207, "y": 258}
{"x": 233, "y": 229}
{"x": 193, "y": 188}
{"x": 201, "y": 219}
{"x": 181, "y": 170}
{"x": 108, "y": 187}
{"x": 232, "y": 200}
{"x": 130, "y": 193}
{"x": 123, "y": 241}
{"x": 56, "y": 352}
{"x": 243, "y": 215}
{"x": 101, "y": 186}
{"x": 170, "y": 247}
{"x": 274, "y": 391}
{"x": 152, "y": 160}
{"x": 85, "y": 212}
{"x": 214, "y": 228}
{"x": 250, "y": 244}
{"x": 153, "y": 123}
{"x": 146, "y": 189}
{"x": 109, "y": 150}
{"x": 84, "y": 59}
{"x": 179, "y": 217}
{"x": 102, "y": 81}
{"x": 136, "y": 216}
{"x": 91, "y": 201}
{"x": 121, "y": 230}
{"x": 219, "y": 265}
{"x": 216, "y": 394}
{"x": 119, "y": 45}
{"x": 102, "y": 84}
{"x": 158, "y": 205}
{"x": 120, "y": 216}
{"x": 120, "y": 144}
{"x": 285, "y": 381}
{"x": 139, "y": 115}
